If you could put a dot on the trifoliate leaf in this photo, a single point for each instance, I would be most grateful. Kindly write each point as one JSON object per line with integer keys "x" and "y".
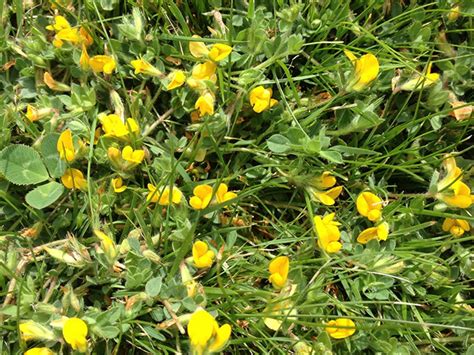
{"x": 22, "y": 165}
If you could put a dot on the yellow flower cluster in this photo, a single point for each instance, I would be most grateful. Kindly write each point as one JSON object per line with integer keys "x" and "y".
{"x": 323, "y": 189}
{"x": 165, "y": 196}
{"x": 451, "y": 189}
{"x": 113, "y": 126}
{"x": 203, "y": 76}
{"x": 126, "y": 159}
{"x": 279, "y": 267}
{"x": 66, "y": 148}
{"x": 204, "y": 196}
{"x": 453, "y": 192}
{"x": 370, "y": 206}
{"x": 65, "y": 33}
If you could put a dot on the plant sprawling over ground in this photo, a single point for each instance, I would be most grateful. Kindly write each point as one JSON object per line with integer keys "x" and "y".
{"x": 236, "y": 176}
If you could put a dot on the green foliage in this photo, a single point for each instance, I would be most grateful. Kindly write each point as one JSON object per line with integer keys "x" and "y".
{"x": 137, "y": 289}
{"x": 22, "y": 165}
{"x": 44, "y": 195}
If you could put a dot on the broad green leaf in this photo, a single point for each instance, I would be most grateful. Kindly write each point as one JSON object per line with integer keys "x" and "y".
{"x": 44, "y": 195}
{"x": 278, "y": 143}
{"x": 22, "y": 165}
{"x": 153, "y": 286}
{"x": 332, "y": 155}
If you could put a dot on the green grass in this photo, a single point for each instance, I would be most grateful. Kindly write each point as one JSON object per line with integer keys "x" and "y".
{"x": 409, "y": 294}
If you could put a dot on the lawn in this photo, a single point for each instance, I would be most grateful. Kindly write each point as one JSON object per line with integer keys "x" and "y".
{"x": 244, "y": 177}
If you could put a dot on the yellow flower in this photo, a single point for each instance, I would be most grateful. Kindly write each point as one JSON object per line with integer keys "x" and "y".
{"x": 279, "y": 268}
{"x": 39, "y": 351}
{"x": 75, "y": 332}
{"x": 102, "y": 64}
{"x": 328, "y": 233}
{"x": 205, "y": 333}
{"x": 451, "y": 190}
{"x": 205, "y": 104}
{"x": 198, "y": 49}
{"x": 133, "y": 156}
{"x": 454, "y": 13}
{"x": 176, "y": 79}
{"x": 456, "y": 227}
{"x": 219, "y": 52}
{"x": 65, "y": 146}
{"x": 202, "y": 255}
{"x": 86, "y": 38}
{"x": 60, "y": 23}
{"x": 107, "y": 243}
{"x": 460, "y": 196}
{"x": 340, "y": 328}
{"x": 30, "y": 330}
{"x": 68, "y": 35}
{"x": 369, "y": 205}
{"x": 324, "y": 181}
{"x": 201, "y": 73}
{"x": 34, "y": 114}
{"x": 379, "y": 232}
{"x": 74, "y": 179}
{"x": 327, "y": 197}
{"x": 366, "y": 70}
{"x": 202, "y": 197}
{"x": 113, "y": 126}
{"x": 223, "y": 195}
{"x": 118, "y": 186}
{"x": 53, "y": 84}
{"x": 453, "y": 173}
{"x": 84, "y": 59}
{"x": 142, "y": 66}
{"x": 163, "y": 197}
{"x": 115, "y": 156}
{"x": 261, "y": 99}
{"x": 420, "y": 81}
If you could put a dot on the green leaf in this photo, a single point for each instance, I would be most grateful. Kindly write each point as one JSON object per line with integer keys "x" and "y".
{"x": 154, "y": 333}
{"x": 56, "y": 166}
{"x": 278, "y": 143}
{"x": 332, "y": 155}
{"x": 108, "y": 332}
{"x": 22, "y": 165}
{"x": 44, "y": 195}
{"x": 153, "y": 286}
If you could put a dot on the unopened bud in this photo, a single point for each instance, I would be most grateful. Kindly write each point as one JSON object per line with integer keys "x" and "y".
{"x": 152, "y": 256}
{"x": 72, "y": 259}
{"x": 117, "y": 104}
